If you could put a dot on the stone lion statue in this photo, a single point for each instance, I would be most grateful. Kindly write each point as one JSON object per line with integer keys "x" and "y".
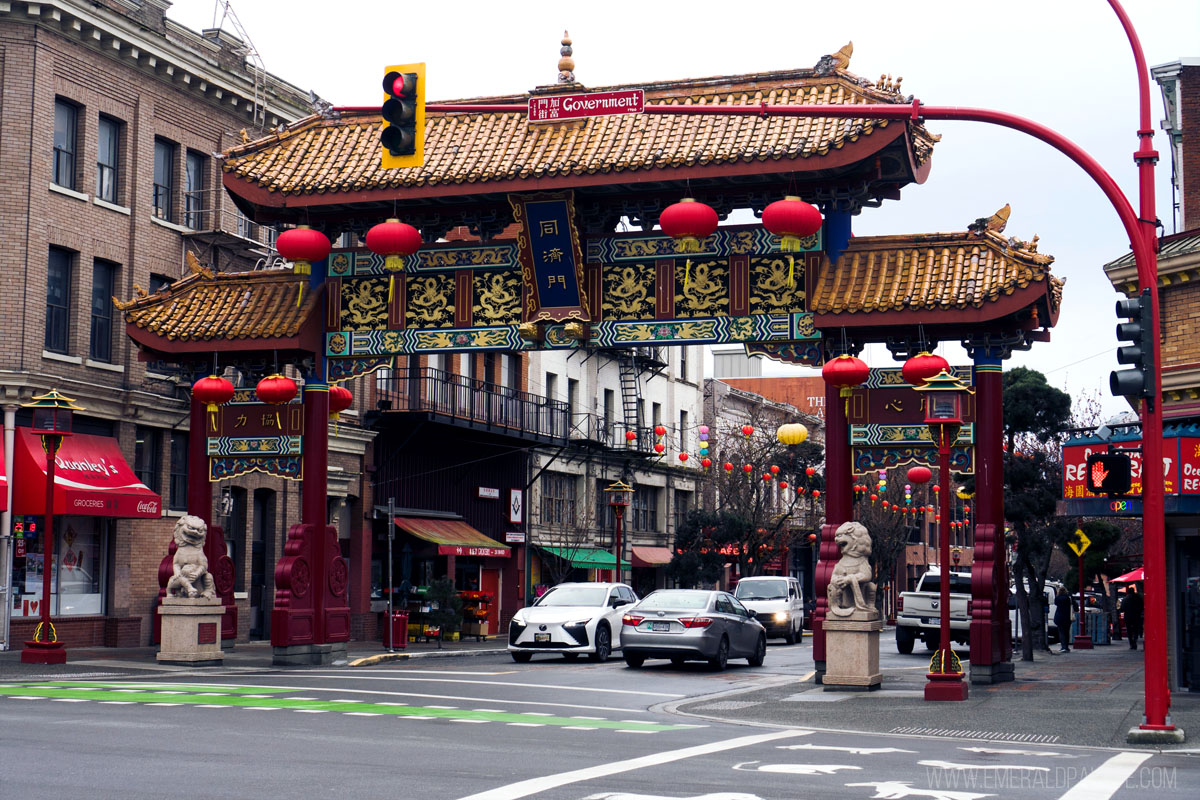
{"x": 190, "y": 578}
{"x": 850, "y": 586}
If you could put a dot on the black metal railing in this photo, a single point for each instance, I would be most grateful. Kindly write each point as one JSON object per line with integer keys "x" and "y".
{"x": 475, "y": 402}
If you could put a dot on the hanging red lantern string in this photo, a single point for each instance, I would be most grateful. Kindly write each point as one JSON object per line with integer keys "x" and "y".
{"x": 394, "y": 240}
{"x": 302, "y": 245}
{"x": 792, "y": 220}
{"x": 687, "y": 222}
{"x": 213, "y": 391}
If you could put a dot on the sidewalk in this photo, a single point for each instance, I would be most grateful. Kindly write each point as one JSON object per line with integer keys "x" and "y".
{"x": 1085, "y": 697}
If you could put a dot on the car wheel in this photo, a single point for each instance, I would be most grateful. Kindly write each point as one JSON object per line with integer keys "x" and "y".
{"x": 570, "y": 656}
{"x": 760, "y": 653}
{"x": 790, "y": 637}
{"x": 603, "y": 645}
{"x": 933, "y": 640}
{"x": 905, "y": 640}
{"x": 522, "y": 658}
{"x": 721, "y": 659}
{"x": 678, "y": 661}
{"x": 634, "y": 660}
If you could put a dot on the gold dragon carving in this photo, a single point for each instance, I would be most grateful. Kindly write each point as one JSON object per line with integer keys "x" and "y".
{"x": 769, "y": 284}
{"x": 629, "y": 292}
{"x": 499, "y": 296}
{"x": 429, "y": 302}
{"x": 706, "y": 294}
{"x": 364, "y": 304}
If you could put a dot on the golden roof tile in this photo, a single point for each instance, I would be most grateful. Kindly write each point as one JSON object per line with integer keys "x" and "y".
{"x": 937, "y": 271}
{"x": 338, "y": 155}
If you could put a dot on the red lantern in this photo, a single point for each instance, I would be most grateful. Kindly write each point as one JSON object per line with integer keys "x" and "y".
{"x": 706, "y": 462}
{"x": 687, "y": 222}
{"x": 874, "y": 497}
{"x": 747, "y": 469}
{"x": 845, "y": 372}
{"x": 799, "y": 490}
{"x": 791, "y": 219}
{"x": 783, "y": 484}
{"x": 747, "y": 430}
{"x": 630, "y": 436}
{"x": 810, "y": 471}
{"x": 302, "y": 246}
{"x": 937, "y": 488}
{"x": 339, "y": 400}
{"x": 919, "y": 474}
{"x": 683, "y": 457}
{"x": 728, "y": 467}
{"x": 393, "y": 240}
{"x": 922, "y": 367}
{"x": 812, "y": 537}
{"x": 816, "y": 494}
{"x": 886, "y": 504}
{"x": 213, "y": 391}
{"x": 774, "y": 470}
{"x": 659, "y": 447}
{"x": 276, "y": 389}
{"x": 659, "y": 430}
{"x": 966, "y": 509}
{"x": 766, "y": 476}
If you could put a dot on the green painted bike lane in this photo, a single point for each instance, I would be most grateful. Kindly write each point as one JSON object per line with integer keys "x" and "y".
{"x": 217, "y": 695}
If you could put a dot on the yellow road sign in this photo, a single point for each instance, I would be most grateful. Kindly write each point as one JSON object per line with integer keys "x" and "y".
{"x": 1082, "y": 542}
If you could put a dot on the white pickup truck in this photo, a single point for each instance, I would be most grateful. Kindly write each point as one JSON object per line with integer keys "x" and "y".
{"x": 918, "y": 614}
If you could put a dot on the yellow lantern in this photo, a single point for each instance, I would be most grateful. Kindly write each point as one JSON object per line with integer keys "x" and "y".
{"x": 792, "y": 433}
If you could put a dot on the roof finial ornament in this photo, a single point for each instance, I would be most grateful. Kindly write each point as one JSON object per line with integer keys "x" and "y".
{"x": 994, "y": 223}
{"x": 566, "y": 64}
{"x": 835, "y": 61}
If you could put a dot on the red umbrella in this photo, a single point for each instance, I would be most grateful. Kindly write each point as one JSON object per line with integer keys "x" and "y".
{"x": 1136, "y": 576}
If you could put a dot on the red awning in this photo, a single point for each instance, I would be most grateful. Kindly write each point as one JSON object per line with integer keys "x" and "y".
{"x": 1136, "y": 576}
{"x": 91, "y": 478}
{"x": 453, "y": 537}
{"x": 651, "y": 556}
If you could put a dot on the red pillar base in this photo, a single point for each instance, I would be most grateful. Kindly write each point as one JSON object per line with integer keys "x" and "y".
{"x": 946, "y": 686}
{"x": 1083, "y": 643}
{"x": 44, "y": 653}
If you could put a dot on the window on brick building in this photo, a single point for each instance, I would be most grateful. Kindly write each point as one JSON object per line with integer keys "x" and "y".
{"x": 66, "y": 128}
{"x": 193, "y": 190}
{"x": 164, "y": 178}
{"x": 58, "y": 300}
{"x": 683, "y": 505}
{"x": 108, "y": 156}
{"x": 558, "y": 499}
{"x": 643, "y": 509}
{"x": 147, "y": 456}
{"x": 177, "y": 495}
{"x": 104, "y": 285}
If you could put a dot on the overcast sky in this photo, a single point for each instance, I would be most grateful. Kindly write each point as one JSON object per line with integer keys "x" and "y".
{"x": 1063, "y": 63}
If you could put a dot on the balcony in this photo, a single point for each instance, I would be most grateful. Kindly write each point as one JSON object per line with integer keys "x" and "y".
{"x": 465, "y": 402}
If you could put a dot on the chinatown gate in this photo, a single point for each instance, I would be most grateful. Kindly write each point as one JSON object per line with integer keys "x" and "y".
{"x": 542, "y": 266}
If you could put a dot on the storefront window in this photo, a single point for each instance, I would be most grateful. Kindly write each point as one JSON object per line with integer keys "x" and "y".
{"x": 77, "y": 579}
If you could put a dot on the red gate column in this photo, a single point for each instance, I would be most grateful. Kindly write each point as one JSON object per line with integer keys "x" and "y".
{"x": 838, "y": 509}
{"x": 990, "y": 634}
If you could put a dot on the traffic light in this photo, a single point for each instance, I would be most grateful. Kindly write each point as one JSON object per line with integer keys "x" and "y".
{"x": 403, "y": 135}
{"x": 1109, "y": 473}
{"x": 1139, "y": 353}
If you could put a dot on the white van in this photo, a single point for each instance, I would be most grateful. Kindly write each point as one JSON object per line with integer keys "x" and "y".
{"x": 778, "y": 603}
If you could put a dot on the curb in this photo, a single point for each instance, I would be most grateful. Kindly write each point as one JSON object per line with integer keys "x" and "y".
{"x": 380, "y": 658}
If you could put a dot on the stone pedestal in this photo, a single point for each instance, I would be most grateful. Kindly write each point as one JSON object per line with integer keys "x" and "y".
{"x": 191, "y": 631}
{"x": 852, "y": 652}
{"x": 316, "y": 655}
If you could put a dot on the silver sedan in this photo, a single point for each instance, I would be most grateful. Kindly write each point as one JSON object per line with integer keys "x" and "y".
{"x": 691, "y": 625}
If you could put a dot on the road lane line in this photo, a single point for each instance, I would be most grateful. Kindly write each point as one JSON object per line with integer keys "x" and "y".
{"x": 535, "y": 785}
{"x": 1104, "y": 781}
{"x": 376, "y": 676}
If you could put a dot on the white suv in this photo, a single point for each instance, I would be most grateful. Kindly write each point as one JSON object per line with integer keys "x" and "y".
{"x": 571, "y": 618}
{"x": 778, "y": 602}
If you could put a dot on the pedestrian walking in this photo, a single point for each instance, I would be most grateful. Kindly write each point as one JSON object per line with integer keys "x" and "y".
{"x": 1132, "y": 609}
{"x": 1062, "y": 620}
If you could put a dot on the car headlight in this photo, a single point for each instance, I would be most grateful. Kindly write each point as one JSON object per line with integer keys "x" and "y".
{"x": 581, "y": 621}
{"x": 781, "y": 616}
{"x": 518, "y": 619}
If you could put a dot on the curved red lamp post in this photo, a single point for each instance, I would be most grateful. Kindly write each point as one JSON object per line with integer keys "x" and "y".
{"x": 620, "y": 495}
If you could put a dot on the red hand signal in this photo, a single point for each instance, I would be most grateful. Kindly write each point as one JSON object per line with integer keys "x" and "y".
{"x": 1099, "y": 473}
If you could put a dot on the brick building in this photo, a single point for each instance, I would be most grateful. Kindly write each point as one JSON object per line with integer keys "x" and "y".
{"x": 111, "y": 118}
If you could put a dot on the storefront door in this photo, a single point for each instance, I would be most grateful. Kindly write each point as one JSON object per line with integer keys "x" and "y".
{"x": 490, "y": 584}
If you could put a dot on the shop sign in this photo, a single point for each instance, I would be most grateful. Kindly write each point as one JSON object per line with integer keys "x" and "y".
{"x": 1174, "y": 449}
{"x": 1074, "y": 459}
{"x": 514, "y": 537}
{"x": 483, "y": 552}
{"x": 19, "y": 549}
{"x": 489, "y": 494}
{"x": 516, "y": 505}
{"x": 1189, "y": 464}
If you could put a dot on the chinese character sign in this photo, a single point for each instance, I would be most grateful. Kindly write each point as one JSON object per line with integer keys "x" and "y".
{"x": 551, "y": 260}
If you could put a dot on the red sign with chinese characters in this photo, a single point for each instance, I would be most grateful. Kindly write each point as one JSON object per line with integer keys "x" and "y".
{"x": 1189, "y": 465}
{"x": 595, "y": 104}
{"x": 1181, "y": 460}
{"x": 260, "y": 419}
{"x": 486, "y": 552}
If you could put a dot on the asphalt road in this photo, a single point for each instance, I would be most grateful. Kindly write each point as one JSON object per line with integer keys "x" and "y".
{"x": 488, "y": 729}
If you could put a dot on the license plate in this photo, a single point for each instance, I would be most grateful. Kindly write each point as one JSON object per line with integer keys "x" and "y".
{"x": 926, "y": 621}
{"x": 660, "y": 626}
{"x": 541, "y": 637}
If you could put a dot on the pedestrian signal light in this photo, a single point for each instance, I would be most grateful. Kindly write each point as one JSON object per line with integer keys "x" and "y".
{"x": 1139, "y": 353}
{"x": 1109, "y": 473}
{"x": 403, "y": 111}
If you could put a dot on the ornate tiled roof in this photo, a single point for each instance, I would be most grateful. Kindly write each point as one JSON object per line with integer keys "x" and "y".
{"x": 226, "y": 306}
{"x": 935, "y": 271}
{"x": 342, "y": 154}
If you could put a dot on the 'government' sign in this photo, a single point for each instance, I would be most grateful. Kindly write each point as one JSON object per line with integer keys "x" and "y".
{"x": 597, "y": 104}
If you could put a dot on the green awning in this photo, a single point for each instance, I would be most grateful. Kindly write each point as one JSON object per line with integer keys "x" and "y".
{"x": 587, "y": 557}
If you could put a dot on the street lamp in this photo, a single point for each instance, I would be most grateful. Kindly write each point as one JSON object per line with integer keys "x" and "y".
{"x": 620, "y": 495}
{"x": 51, "y": 421}
{"x": 944, "y": 394}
